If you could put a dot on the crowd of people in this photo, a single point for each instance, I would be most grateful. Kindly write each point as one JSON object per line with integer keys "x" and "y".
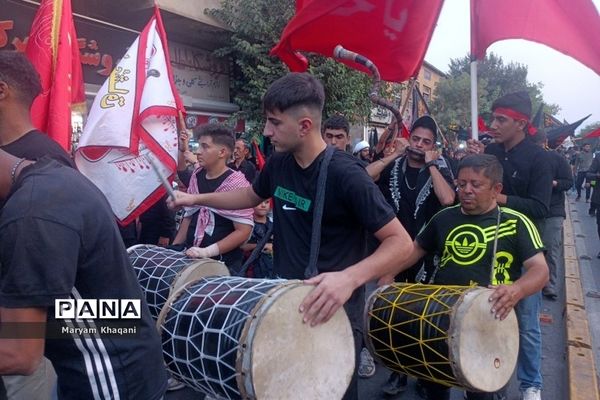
{"x": 337, "y": 219}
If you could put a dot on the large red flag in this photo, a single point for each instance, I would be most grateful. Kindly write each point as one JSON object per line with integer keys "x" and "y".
{"x": 569, "y": 26}
{"x": 52, "y": 48}
{"x": 392, "y": 34}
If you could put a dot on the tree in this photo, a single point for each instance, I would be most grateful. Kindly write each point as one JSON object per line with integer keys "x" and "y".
{"x": 256, "y": 28}
{"x": 589, "y": 128}
{"x": 453, "y": 99}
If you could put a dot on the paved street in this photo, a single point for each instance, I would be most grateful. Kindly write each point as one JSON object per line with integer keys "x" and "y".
{"x": 552, "y": 319}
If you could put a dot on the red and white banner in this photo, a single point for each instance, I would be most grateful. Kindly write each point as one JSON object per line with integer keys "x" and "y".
{"x": 569, "y": 26}
{"x": 53, "y": 50}
{"x": 392, "y": 34}
{"x": 132, "y": 119}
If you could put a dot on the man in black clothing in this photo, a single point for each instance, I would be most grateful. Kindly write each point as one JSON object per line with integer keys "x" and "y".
{"x": 51, "y": 251}
{"x": 552, "y": 234}
{"x": 240, "y": 162}
{"x": 417, "y": 182}
{"x": 527, "y": 188}
{"x": 353, "y": 205}
{"x": 336, "y": 132}
{"x": 473, "y": 223}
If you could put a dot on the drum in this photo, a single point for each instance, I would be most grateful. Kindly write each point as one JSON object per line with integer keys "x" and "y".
{"x": 239, "y": 338}
{"x": 161, "y": 270}
{"x": 445, "y": 334}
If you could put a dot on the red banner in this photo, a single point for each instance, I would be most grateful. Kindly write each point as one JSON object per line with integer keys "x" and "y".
{"x": 392, "y": 34}
{"x": 569, "y": 26}
{"x": 53, "y": 50}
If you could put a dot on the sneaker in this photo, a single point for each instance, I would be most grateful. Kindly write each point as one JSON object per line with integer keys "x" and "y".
{"x": 395, "y": 384}
{"x": 531, "y": 394}
{"x": 174, "y": 384}
{"x": 366, "y": 367}
{"x": 550, "y": 293}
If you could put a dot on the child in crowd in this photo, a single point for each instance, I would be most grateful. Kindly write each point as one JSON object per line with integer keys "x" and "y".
{"x": 261, "y": 266}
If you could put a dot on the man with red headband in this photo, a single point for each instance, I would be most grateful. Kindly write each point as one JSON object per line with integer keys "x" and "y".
{"x": 527, "y": 188}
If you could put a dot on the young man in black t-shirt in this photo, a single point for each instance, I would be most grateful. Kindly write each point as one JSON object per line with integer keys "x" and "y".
{"x": 59, "y": 240}
{"x": 353, "y": 205}
{"x": 214, "y": 232}
{"x": 464, "y": 236}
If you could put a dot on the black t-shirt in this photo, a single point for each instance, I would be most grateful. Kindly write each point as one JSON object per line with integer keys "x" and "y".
{"x": 465, "y": 245}
{"x": 527, "y": 178}
{"x": 34, "y": 145}
{"x": 353, "y": 205}
{"x": 246, "y": 167}
{"x": 59, "y": 240}
{"x": 222, "y": 226}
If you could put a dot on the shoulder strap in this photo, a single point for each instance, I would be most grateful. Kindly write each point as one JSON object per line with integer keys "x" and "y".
{"x": 315, "y": 241}
{"x": 256, "y": 252}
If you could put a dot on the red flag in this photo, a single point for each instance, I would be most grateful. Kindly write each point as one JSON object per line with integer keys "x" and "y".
{"x": 481, "y": 126}
{"x": 569, "y": 26}
{"x": 404, "y": 132}
{"x": 392, "y": 34}
{"x": 593, "y": 134}
{"x": 52, "y": 49}
{"x": 260, "y": 158}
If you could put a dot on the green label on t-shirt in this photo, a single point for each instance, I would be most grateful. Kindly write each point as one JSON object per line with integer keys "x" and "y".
{"x": 288, "y": 195}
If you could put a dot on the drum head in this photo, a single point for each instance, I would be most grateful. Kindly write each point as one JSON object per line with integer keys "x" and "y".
{"x": 291, "y": 360}
{"x": 483, "y": 349}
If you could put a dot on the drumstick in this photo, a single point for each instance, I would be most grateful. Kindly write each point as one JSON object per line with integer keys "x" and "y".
{"x": 163, "y": 180}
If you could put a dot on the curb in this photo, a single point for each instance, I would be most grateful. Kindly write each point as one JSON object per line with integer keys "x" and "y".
{"x": 583, "y": 383}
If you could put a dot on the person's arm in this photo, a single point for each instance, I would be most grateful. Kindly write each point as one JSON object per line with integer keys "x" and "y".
{"x": 21, "y": 356}
{"x": 563, "y": 180}
{"x": 241, "y": 233}
{"x": 415, "y": 255}
{"x": 184, "y": 147}
{"x": 181, "y": 235}
{"x": 376, "y": 168}
{"x": 232, "y": 200}
{"x": 505, "y": 297}
{"x": 442, "y": 189}
{"x": 333, "y": 289}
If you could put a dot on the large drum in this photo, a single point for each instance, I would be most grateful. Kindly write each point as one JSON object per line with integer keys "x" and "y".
{"x": 239, "y": 338}
{"x": 445, "y": 334}
{"x": 160, "y": 271}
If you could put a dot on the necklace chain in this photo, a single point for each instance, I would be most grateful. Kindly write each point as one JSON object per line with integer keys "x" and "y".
{"x": 408, "y": 186}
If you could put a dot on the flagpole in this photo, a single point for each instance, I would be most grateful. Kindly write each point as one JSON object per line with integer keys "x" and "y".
{"x": 474, "y": 113}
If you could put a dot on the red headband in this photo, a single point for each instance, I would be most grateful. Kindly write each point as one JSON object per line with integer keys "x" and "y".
{"x": 509, "y": 112}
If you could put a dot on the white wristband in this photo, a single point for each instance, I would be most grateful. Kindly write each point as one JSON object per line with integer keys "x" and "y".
{"x": 212, "y": 250}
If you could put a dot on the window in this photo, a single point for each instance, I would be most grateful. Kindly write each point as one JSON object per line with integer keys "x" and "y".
{"x": 427, "y": 74}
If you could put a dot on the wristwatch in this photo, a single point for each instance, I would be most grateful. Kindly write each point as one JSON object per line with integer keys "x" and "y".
{"x": 431, "y": 164}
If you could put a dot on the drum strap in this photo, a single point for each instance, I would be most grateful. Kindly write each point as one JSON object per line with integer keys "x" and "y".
{"x": 315, "y": 240}
{"x": 495, "y": 247}
{"x": 256, "y": 252}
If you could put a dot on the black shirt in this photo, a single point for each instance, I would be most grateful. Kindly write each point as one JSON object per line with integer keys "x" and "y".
{"x": 561, "y": 173}
{"x": 246, "y": 167}
{"x": 34, "y": 145}
{"x": 59, "y": 240}
{"x": 353, "y": 205}
{"x": 465, "y": 245}
{"x": 527, "y": 179}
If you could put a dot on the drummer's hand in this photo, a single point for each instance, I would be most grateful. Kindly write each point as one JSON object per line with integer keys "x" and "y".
{"x": 400, "y": 146}
{"x": 203, "y": 252}
{"x": 503, "y": 299}
{"x": 333, "y": 289}
{"x": 181, "y": 199}
{"x": 386, "y": 280}
{"x": 474, "y": 146}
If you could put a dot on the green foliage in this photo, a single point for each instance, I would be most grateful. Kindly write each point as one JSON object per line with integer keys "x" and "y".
{"x": 256, "y": 28}
{"x": 452, "y": 104}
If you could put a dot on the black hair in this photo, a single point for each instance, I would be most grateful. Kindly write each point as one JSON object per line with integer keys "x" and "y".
{"x": 426, "y": 122}
{"x": 19, "y": 73}
{"x": 337, "y": 122}
{"x": 489, "y": 164}
{"x": 245, "y": 142}
{"x": 539, "y": 136}
{"x": 294, "y": 89}
{"x": 220, "y": 134}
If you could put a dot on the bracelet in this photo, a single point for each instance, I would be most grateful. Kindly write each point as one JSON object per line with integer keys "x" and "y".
{"x": 13, "y": 172}
{"x": 431, "y": 164}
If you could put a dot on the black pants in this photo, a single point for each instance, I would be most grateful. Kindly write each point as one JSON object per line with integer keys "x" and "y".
{"x": 435, "y": 391}
{"x": 598, "y": 219}
{"x": 354, "y": 309}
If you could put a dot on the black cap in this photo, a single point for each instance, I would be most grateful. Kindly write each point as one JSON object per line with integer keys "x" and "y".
{"x": 518, "y": 101}
{"x": 426, "y": 122}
